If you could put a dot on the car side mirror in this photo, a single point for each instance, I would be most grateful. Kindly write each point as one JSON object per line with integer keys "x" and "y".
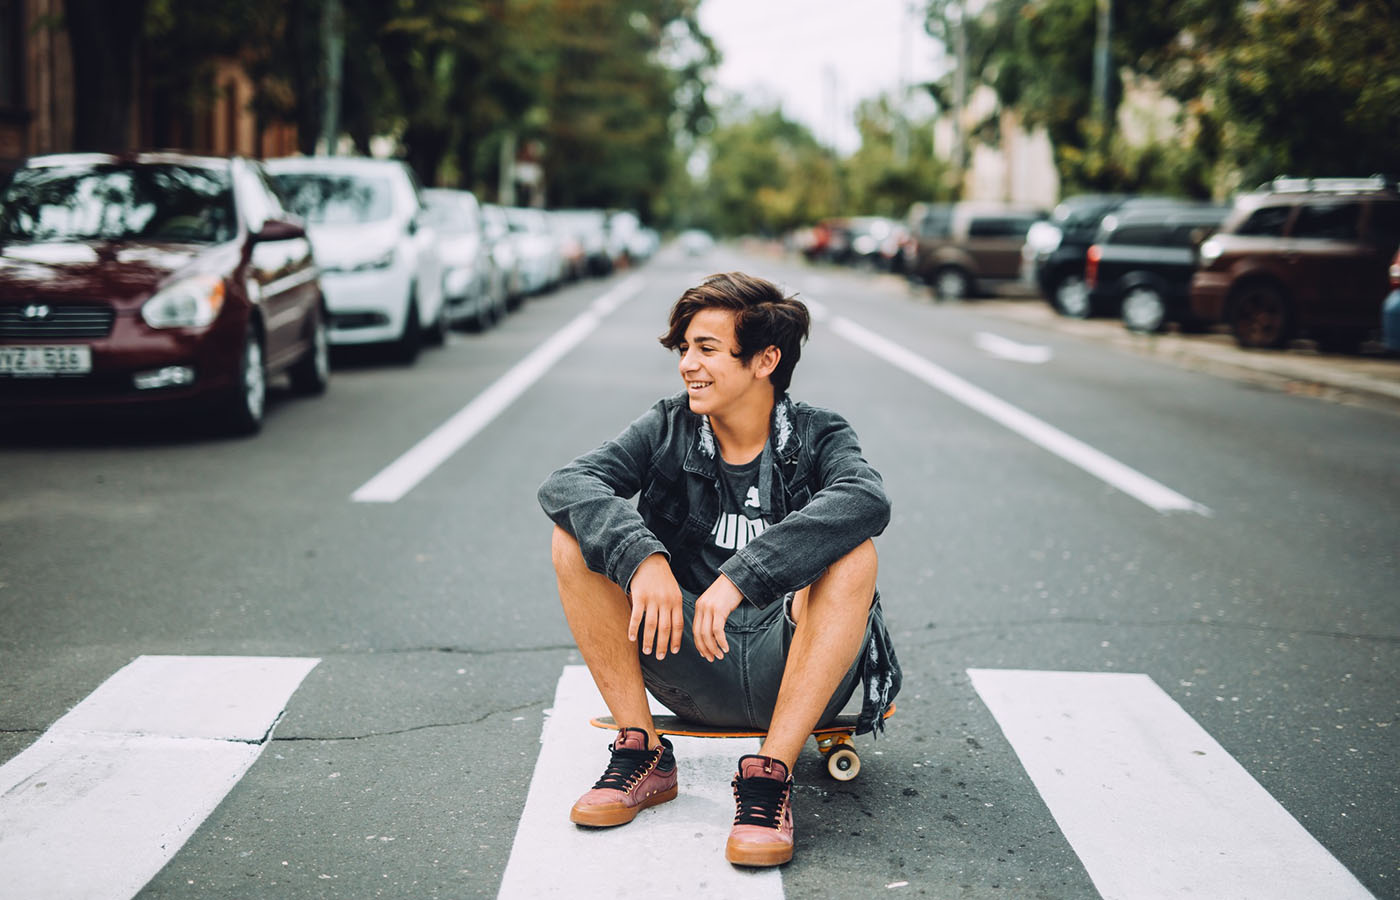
{"x": 279, "y": 230}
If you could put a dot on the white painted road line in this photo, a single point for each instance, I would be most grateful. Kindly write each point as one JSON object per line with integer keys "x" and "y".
{"x": 1048, "y": 437}
{"x": 404, "y": 473}
{"x": 1153, "y": 806}
{"x": 673, "y": 850}
{"x": 103, "y": 800}
{"x": 1005, "y": 348}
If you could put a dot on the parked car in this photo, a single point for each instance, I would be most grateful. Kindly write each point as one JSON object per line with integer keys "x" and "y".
{"x": 1301, "y": 257}
{"x": 541, "y": 263}
{"x": 378, "y": 256}
{"x": 155, "y": 279}
{"x": 629, "y": 241}
{"x": 695, "y": 242}
{"x": 1140, "y": 264}
{"x": 506, "y": 253}
{"x": 1053, "y": 256}
{"x": 975, "y": 246}
{"x": 473, "y": 291}
{"x": 875, "y": 241}
{"x": 1390, "y": 312}
{"x": 590, "y": 227}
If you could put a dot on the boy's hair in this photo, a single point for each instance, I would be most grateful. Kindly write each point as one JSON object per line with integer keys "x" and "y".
{"x": 763, "y": 318}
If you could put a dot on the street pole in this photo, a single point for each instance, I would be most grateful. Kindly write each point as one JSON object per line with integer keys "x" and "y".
{"x": 1101, "y": 71}
{"x": 333, "y": 40}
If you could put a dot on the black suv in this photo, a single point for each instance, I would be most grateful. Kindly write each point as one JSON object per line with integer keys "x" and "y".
{"x": 1053, "y": 257}
{"x": 1301, "y": 256}
{"x": 1141, "y": 263}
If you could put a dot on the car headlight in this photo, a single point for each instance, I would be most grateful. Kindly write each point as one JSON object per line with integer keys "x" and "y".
{"x": 1210, "y": 251}
{"x": 190, "y": 303}
{"x": 1043, "y": 238}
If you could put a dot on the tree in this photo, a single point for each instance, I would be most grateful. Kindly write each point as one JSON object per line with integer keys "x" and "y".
{"x": 768, "y": 175}
{"x": 105, "y": 36}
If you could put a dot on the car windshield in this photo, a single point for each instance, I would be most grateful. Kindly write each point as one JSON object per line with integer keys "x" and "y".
{"x": 183, "y": 204}
{"x": 326, "y": 199}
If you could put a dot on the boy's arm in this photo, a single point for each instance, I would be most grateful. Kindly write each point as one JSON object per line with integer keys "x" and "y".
{"x": 590, "y": 499}
{"x": 848, "y": 507}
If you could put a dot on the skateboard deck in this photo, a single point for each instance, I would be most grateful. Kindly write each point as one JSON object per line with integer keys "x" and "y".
{"x": 833, "y": 739}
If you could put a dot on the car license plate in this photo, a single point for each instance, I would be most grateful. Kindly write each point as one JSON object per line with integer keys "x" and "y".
{"x": 43, "y": 360}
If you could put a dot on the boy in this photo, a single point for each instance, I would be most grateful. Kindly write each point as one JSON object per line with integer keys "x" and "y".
{"x": 741, "y": 589}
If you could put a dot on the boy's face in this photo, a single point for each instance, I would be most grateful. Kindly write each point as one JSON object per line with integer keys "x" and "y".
{"x": 716, "y": 381}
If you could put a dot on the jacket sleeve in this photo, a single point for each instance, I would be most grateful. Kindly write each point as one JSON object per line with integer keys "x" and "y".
{"x": 847, "y": 507}
{"x": 590, "y": 498}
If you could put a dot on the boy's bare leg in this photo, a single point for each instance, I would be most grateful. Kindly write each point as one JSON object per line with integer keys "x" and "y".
{"x": 831, "y": 620}
{"x": 598, "y": 612}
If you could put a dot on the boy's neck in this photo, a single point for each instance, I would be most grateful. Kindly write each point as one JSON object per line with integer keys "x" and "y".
{"x": 741, "y": 432}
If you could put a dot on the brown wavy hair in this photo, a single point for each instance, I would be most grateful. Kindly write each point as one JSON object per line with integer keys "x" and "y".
{"x": 763, "y": 317}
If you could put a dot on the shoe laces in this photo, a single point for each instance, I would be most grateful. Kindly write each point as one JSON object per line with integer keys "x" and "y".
{"x": 760, "y": 801}
{"x": 628, "y": 767}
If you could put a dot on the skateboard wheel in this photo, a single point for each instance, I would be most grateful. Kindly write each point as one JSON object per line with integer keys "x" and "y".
{"x": 843, "y": 764}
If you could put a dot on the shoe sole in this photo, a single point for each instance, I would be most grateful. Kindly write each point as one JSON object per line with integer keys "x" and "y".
{"x": 618, "y": 814}
{"x": 757, "y": 854}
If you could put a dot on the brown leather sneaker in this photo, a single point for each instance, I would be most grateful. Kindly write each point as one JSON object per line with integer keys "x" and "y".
{"x": 635, "y": 779}
{"x": 762, "y": 833}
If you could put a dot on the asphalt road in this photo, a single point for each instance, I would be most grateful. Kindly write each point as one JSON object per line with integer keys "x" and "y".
{"x": 1267, "y": 612}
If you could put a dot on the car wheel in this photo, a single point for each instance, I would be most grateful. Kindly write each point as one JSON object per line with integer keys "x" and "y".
{"x": 1072, "y": 298}
{"x": 406, "y": 348}
{"x": 241, "y": 411}
{"x": 312, "y": 373}
{"x": 1261, "y": 316}
{"x": 952, "y": 283}
{"x": 436, "y": 335}
{"x": 1144, "y": 310}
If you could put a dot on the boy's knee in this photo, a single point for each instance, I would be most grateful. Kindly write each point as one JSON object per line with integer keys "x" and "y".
{"x": 566, "y": 553}
{"x": 862, "y": 560}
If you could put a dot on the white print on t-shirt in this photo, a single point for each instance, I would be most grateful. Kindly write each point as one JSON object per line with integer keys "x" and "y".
{"x": 733, "y": 531}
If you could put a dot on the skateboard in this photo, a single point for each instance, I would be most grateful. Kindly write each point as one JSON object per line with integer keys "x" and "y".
{"x": 834, "y": 741}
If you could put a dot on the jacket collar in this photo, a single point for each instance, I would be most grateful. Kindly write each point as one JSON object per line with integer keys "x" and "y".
{"x": 783, "y": 439}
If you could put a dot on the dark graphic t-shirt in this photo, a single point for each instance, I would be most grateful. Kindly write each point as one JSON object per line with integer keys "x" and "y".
{"x": 738, "y": 523}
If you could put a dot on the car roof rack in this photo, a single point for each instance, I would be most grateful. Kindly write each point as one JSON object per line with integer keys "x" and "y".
{"x": 1285, "y": 184}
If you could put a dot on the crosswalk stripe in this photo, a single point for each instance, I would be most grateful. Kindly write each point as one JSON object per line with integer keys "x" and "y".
{"x": 1153, "y": 806}
{"x": 98, "y": 805}
{"x": 674, "y": 850}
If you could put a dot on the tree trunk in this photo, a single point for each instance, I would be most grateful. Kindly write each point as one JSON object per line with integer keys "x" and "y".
{"x": 105, "y": 36}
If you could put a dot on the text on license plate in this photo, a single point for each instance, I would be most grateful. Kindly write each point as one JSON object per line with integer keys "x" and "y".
{"x": 54, "y": 359}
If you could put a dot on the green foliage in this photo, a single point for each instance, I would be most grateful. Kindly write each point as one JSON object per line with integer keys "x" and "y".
{"x": 767, "y": 175}
{"x": 1307, "y": 87}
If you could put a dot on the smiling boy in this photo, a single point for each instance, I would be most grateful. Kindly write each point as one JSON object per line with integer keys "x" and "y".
{"x": 740, "y": 590}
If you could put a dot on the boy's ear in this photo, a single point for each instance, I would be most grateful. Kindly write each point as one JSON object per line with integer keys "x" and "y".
{"x": 767, "y": 361}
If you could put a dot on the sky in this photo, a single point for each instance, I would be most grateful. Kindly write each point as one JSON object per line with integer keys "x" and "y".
{"x": 818, "y": 58}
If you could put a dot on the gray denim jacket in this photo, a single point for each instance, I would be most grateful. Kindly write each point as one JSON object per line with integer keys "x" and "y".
{"x": 821, "y": 495}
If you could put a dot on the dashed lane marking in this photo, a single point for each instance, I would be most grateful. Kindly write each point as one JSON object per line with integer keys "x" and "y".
{"x": 105, "y": 797}
{"x": 1152, "y": 805}
{"x": 1095, "y": 462}
{"x": 419, "y": 461}
{"x": 672, "y": 850}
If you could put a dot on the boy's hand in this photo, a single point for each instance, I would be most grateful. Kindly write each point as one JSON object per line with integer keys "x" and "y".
{"x": 656, "y": 607}
{"x": 712, "y": 610}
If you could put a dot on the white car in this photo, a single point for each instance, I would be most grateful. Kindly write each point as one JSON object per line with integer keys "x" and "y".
{"x": 380, "y": 269}
{"x": 473, "y": 289}
{"x": 541, "y": 263}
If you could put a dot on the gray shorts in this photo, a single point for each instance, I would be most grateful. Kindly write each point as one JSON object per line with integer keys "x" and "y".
{"x": 740, "y": 690}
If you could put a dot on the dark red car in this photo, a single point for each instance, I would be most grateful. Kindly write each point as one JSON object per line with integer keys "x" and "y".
{"x": 160, "y": 279}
